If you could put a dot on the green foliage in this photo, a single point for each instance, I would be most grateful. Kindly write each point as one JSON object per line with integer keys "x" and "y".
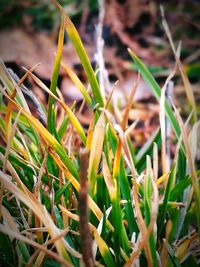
{"x": 134, "y": 215}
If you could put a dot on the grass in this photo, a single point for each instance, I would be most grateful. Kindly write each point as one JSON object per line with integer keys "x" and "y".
{"x": 99, "y": 204}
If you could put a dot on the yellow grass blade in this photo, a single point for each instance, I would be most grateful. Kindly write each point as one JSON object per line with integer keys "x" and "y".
{"x": 110, "y": 182}
{"x": 8, "y": 115}
{"x": 103, "y": 248}
{"x": 48, "y": 139}
{"x": 162, "y": 178}
{"x": 78, "y": 45}
{"x": 96, "y": 151}
{"x": 6, "y": 230}
{"x": 183, "y": 248}
{"x": 93, "y": 206}
{"x": 67, "y": 109}
{"x": 30, "y": 201}
{"x": 90, "y": 132}
{"x": 9, "y": 141}
{"x": 77, "y": 82}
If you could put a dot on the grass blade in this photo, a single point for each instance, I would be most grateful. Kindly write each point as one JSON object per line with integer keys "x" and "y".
{"x": 77, "y": 82}
{"x": 157, "y": 92}
{"x": 78, "y": 45}
{"x": 96, "y": 151}
{"x": 54, "y": 79}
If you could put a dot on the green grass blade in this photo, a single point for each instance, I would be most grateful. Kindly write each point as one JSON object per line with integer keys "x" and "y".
{"x": 163, "y": 209}
{"x": 179, "y": 188}
{"x": 147, "y": 149}
{"x": 81, "y": 52}
{"x": 172, "y": 256}
{"x": 148, "y": 190}
{"x": 77, "y": 43}
{"x": 157, "y": 92}
{"x": 126, "y": 194}
{"x": 54, "y": 80}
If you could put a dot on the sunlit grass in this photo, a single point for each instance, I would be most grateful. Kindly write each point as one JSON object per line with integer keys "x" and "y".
{"x": 141, "y": 210}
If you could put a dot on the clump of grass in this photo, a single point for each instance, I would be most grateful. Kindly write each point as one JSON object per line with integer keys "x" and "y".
{"x": 103, "y": 204}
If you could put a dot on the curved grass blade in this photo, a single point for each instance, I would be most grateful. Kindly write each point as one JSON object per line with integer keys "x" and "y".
{"x": 49, "y": 139}
{"x": 93, "y": 206}
{"x": 4, "y": 229}
{"x": 54, "y": 79}
{"x": 157, "y": 93}
{"x": 67, "y": 109}
{"x": 78, "y": 45}
{"x": 30, "y": 201}
{"x": 194, "y": 178}
{"x": 185, "y": 79}
{"x": 77, "y": 82}
{"x": 103, "y": 247}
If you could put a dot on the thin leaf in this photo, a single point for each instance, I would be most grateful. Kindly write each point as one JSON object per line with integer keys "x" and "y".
{"x": 54, "y": 79}
{"x": 157, "y": 92}
{"x": 186, "y": 82}
{"x": 77, "y": 43}
{"x": 96, "y": 151}
{"x": 77, "y": 82}
{"x": 4, "y": 229}
{"x": 103, "y": 247}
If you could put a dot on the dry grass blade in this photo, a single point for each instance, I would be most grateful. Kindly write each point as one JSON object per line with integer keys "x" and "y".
{"x": 145, "y": 232}
{"x": 9, "y": 140}
{"x": 96, "y": 151}
{"x": 186, "y": 82}
{"x": 19, "y": 95}
{"x": 67, "y": 109}
{"x": 103, "y": 247}
{"x": 194, "y": 140}
{"x": 10, "y": 105}
{"x": 48, "y": 138}
{"x": 155, "y": 161}
{"x": 110, "y": 182}
{"x": 194, "y": 178}
{"x": 30, "y": 201}
{"x": 9, "y": 219}
{"x": 129, "y": 104}
{"x": 13, "y": 173}
{"x": 41, "y": 255}
{"x": 8, "y": 231}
